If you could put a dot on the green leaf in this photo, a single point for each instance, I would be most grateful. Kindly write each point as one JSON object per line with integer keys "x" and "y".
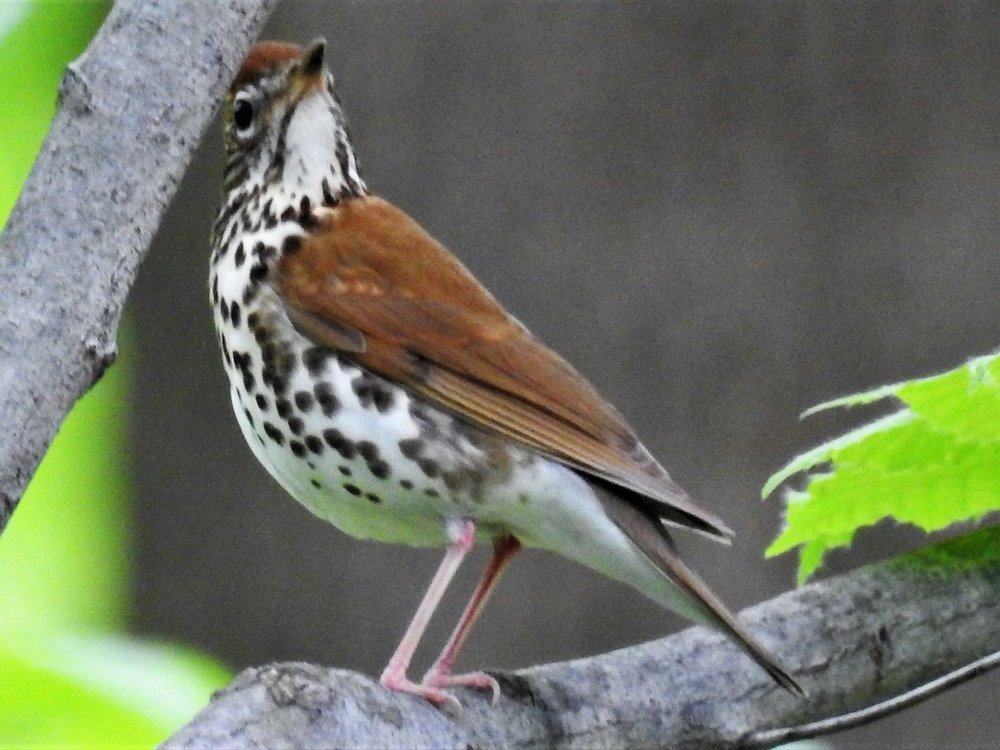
{"x": 64, "y": 553}
{"x": 99, "y": 691}
{"x": 37, "y": 39}
{"x": 933, "y": 463}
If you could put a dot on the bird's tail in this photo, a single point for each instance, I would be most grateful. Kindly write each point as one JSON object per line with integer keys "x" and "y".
{"x": 648, "y": 534}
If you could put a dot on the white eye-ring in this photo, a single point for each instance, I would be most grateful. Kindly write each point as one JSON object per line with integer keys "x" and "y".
{"x": 244, "y": 115}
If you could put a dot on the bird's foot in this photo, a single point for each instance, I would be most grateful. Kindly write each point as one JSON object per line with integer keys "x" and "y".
{"x": 398, "y": 681}
{"x": 478, "y": 680}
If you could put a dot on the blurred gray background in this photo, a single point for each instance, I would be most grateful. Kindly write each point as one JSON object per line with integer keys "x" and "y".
{"x": 722, "y": 213}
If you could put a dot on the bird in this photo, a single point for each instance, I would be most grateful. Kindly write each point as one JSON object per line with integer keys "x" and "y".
{"x": 387, "y": 391}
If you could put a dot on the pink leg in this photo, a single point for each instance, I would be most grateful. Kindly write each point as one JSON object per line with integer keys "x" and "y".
{"x": 461, "y": 535}
{"x": 439, "y": 675}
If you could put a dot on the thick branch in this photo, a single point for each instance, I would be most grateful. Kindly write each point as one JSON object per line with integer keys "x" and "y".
{"x": 851, "y": 641}
{"x": 132, "y": 109}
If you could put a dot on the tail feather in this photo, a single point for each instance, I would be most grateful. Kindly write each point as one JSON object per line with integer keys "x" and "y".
{"x": 647, "y": 533}
{"x": 683, "y": 515}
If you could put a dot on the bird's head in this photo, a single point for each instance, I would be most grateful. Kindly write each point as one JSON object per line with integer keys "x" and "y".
{"x": 284, "y": 125}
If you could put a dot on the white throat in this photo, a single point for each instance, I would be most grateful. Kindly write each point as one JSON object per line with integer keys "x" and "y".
{"x": 311, "y": 144}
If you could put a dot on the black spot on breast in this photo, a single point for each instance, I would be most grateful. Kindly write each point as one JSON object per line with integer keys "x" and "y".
{"x": 406, "y": 484}
{"x": 244, "y": 363}
{"x": 291, "y": 244}
{"x": 364, "y": 388}
{"x": 383, "y": 398}
{"x": 296, "y": 425}
{"x": 329, "y": 199}
{"x": 431, "y": 492}
{"x": 253, "y": 322}
{"x": 314, "y": 358}
{"x": 345, "y": 470}
{"x": 373, "y": 497}
{"x": 411, "y": 448}
{"x": 306, "y": 218}
{"x": 315, "y": 483}
{"x": 336, "y": 440}
{"x": 288, "y": 214}
{"x": 279, "y": 363}
{"x": 379, "y": 469}
{"x": 262, "y": 403}
{"x": 258, "y": 273}
{"x": 283, "y": 405}
{"x": 265, "y": 252}
{"x": 215, "y": 290}
{"x": 429, "y": 467}
{"x": 235, "y": 313}
{"x": 342, "y": 161}
{"x": 326, "y": 399}
{"x": 239, "y": 256}
{"x": 352, "y": 488}
{"x": 224, "y": 310}
{"x": 314, "y": 444}
{"x": 368, "y": 450}
{"x": 304, "y": 400}
{"x": 249, "y": 416}
{"x": 279, "y": 385}
{"x": 274, "y": 433}
{"x": 297, "y": 448}
{"x": 225, "y": 353}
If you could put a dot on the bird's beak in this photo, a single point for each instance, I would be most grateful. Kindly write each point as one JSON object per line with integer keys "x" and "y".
{"x": 310, "y": 71}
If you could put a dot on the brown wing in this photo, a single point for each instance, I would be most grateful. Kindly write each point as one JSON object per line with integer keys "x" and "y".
{"x": 371, "y": 282}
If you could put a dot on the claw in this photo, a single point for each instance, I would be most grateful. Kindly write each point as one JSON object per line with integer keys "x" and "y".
{"x": 440, "y": 698}
{"x": 477, "y": 680}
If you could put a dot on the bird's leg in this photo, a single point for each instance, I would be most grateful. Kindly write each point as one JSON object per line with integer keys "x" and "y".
{"x": 439, "y": 675}
{"x": 461, "y": 537}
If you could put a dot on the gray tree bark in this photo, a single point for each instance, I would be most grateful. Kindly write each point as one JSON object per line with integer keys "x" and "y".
{"x": 131, "y": 110}
{"x": 851, "y": 640}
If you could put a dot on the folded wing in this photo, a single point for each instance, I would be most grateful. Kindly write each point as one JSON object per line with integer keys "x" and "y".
{"x": 370, "y": 282}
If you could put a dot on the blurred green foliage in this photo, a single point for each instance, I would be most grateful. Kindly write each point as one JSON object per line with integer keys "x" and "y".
{"x": 69, "y": 677}
{"x": 933, "y": 463}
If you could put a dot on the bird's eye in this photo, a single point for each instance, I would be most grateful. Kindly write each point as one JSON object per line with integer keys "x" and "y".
{"x": 243, "y": 115}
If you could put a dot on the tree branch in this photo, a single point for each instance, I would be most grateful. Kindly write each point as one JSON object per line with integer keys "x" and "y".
{"x": 851, "y": 640}
{"x": 868, "y": 714}
{"x": 132, "y": 109}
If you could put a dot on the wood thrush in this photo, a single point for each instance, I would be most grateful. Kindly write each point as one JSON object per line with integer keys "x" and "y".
{"x": 387, "y": 391}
